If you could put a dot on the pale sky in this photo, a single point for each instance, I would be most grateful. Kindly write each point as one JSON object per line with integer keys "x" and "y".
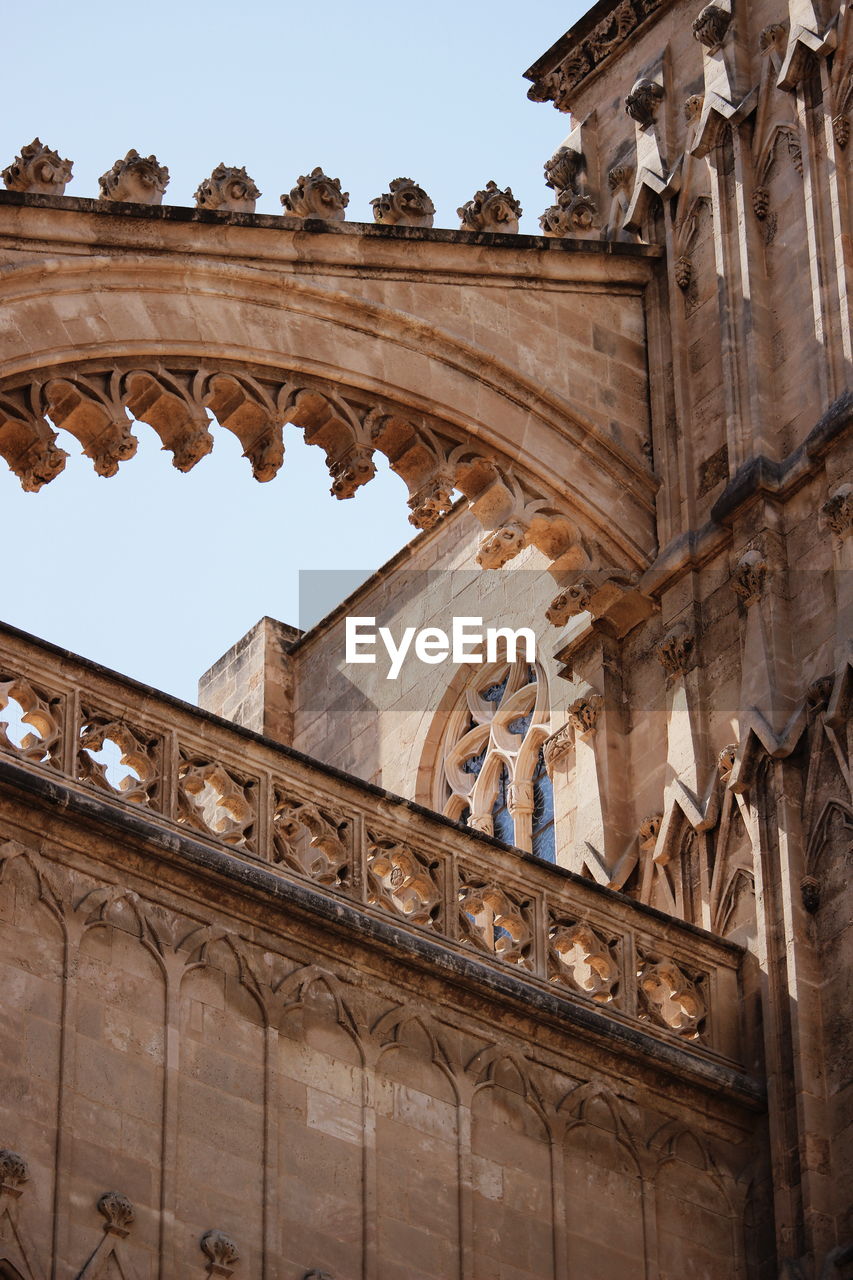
{"x": 152, "y": 572}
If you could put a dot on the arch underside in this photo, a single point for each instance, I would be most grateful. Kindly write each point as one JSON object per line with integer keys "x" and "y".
{"x": 95, "y": 353}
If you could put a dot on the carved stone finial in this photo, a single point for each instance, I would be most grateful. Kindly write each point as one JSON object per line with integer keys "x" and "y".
{"x": 838, "y": 510}
{"x": 136, "y": 179}
{"x": 38, "y": 170}
{"x": 13, "y": 1172}
{"x": 228, "y": 189}
{"x": 118, "y": 1211}
{"x": 501, "y": 545}
{"x": 221, "y": 1251}
{"x": 649, "y": 829}
{"x": 569, "y": 602}
{"x": 711, "y": 25}
{"x": 643, "y": 101}
{"x": 760, "y": 202}
{"x": 491, "y": 210}
{"x": 840, "y": 129}
{"x": 563, "y": 168}
{"x": 404, "y": 205}
{"x": 584, "y": 712}
{"x": 749, "y": 575}
{"x": 571, "y": 215}
{"x": 675, "y": 650}
{"x": 317, "y": 196}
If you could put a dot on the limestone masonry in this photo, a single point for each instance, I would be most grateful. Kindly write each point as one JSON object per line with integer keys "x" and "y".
{"x": 523, "y": 969}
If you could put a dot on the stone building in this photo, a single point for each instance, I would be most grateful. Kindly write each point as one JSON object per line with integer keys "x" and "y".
{"x": 519, "y": 969}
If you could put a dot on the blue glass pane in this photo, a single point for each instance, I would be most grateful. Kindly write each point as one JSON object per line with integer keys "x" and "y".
{"x": 474, "y": 763}
{"x": 520, "y": 724}
{"x": 502, "y": 822}
{"x": 543, "y": 813}
{"x": 494, "y": 693}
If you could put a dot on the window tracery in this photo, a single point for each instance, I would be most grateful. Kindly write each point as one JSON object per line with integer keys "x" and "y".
{"x": 492, "y": 772}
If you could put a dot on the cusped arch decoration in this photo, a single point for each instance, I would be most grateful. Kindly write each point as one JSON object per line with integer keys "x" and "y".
{"x": 258, "y": 349}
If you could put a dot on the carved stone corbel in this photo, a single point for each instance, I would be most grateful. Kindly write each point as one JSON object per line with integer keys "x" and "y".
{"x": 653, "y": 176}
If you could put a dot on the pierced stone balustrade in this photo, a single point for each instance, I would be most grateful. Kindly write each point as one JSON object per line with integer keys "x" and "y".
{"x": 185, "y": 779}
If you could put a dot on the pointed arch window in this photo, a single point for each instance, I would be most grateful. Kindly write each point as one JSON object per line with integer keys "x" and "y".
{"x": 492, "y": 774}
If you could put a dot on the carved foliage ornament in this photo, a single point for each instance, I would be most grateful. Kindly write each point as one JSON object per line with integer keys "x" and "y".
{"x": 838, "y": 511}
{"x": 571, "y": 215}
{"x": 221, "y": 1252}
{"x": 229, "y": 190}
{"x": 118, "y": 1212}
{"x": 585, "y": 56}
{"x": 491, "y": 209}
{"x": 584, "y": 712}
{"x": 555, "y": 748}
{"x": 405, "y": 204}
{"x": 317, "y": 196}
{"x": 570, "y": 602}
{"x": 136, "y": 178}
{"x": 563, "y": 168}
{"x": 675, "y": 650}
{"x": 13, "y": 1171}
{"x": 643, "y": 101}
{"x": 711, "y": 25}
{"x": 38, "y": 170}
{"x": 749, "y": 576}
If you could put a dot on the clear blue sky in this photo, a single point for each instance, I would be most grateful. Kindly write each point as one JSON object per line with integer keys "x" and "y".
{"x": 157, "y": 573}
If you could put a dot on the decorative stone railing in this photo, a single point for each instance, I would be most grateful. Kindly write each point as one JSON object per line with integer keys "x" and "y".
{"x": 62, "y": 716}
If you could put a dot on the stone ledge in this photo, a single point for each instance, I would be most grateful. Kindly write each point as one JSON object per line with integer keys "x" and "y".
{"x": 256, "y": 881}
{"x": 316, "y": 226}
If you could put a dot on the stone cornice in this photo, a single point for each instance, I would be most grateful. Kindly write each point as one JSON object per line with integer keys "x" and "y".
{"x": 592, "y": 43}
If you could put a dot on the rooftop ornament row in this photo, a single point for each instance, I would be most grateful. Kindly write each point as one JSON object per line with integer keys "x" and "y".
{"x": 143, "y": 180}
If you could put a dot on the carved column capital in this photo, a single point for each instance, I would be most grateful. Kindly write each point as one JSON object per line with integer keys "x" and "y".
{"x": 675, "y": 650}
{"x": 838, "y": 511}
{"x": 749, "y": 576}
{"x": 520, "y": 798}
